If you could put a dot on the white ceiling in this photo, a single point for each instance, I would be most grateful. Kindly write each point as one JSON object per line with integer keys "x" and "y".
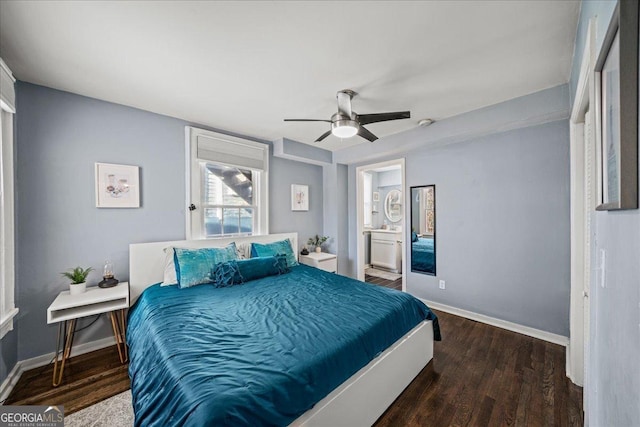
{"x": 245, "y": 66}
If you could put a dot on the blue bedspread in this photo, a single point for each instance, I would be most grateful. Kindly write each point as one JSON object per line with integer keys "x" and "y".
{"x": 261, "y": 353}
{"x": 423, "y": 255}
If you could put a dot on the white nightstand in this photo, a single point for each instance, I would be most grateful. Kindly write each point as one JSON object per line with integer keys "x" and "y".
{"x": 66, "y": 309}
{"x": 321, "y": 260}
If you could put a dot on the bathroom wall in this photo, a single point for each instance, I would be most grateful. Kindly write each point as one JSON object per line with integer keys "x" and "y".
{"x": 383, "y": 183}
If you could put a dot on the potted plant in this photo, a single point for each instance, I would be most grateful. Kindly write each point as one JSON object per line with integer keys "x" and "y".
{"x": 78, "y": 277}
{"x": 317, "y": 241}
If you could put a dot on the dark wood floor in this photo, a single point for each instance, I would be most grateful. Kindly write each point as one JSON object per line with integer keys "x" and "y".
{"x": 88, "y": 379}
{"x": 480, "y": 376}
{"x": 393, "y": 284}
{"x": 487, "y": 376}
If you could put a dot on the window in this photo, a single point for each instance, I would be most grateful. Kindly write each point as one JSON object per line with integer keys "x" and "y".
{"x": 228, "y": 185}
{"x": 228, "y": 201}
{"x": 7, "y": 263}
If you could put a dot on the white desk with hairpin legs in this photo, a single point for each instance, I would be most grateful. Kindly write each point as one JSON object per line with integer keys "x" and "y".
{"x": 66, "y": 309}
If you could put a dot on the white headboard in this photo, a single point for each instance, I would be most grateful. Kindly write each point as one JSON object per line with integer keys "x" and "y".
{"x": 146, "y": 260}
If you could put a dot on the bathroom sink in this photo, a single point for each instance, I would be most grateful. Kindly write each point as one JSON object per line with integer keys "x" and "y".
{"x": 381, "y": 230}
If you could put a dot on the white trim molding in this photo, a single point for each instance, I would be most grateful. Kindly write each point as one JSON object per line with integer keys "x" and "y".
{"x": 7, "y": 201}
{"x": 6, "y": 323}
{"x": 582, "y": 173}
{"x": 499, "y": 323}
{"x": 35, "y": 362}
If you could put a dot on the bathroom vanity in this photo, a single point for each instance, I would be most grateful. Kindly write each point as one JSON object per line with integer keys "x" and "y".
{"x": 386, "y": 249}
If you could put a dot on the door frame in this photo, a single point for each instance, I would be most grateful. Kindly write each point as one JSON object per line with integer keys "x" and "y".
{"x": 583, "y": 104}
{"x": 360, "y": 216}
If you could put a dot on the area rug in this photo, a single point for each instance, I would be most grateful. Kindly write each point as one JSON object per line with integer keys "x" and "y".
{"x": 382, "y": 274}
{"x": 115, "y": 411}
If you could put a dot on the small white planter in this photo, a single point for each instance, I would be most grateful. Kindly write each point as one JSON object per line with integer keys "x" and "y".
{"x": 78, "y": 288}
{"x": 318, "y": 249}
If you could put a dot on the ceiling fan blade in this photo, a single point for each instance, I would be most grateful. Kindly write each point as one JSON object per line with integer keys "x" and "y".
{"x": 323, "y": 136}
{"x": 365, "y": 119}
{"x": 307, "y": 120}
{"x": 366, "y": 134}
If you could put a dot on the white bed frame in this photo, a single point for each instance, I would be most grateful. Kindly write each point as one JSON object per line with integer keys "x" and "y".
{"x": 362, "y": 398}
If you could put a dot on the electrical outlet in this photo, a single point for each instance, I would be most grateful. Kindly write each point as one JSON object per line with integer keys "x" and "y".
{"x": 442, "y": 285}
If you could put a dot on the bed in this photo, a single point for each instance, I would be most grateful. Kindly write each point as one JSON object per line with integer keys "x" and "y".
{"x": 423, "y": 254}
{"x": 303, "y": 348}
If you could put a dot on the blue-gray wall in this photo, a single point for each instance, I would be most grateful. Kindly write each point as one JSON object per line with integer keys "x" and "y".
{"x": 515, "y": 155}
{"x": 613, "y": 372}
{"x": 502, "y": 224}
{"x": 59, "y": 138}
{"x": 8, "y": 353}
{"x": 502, "y": 220}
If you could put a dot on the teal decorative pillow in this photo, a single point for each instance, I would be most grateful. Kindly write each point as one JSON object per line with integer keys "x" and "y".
{"x": 244, "y": 270}
{"x": 275, "y": 248}
{"x": 281, "y": 264}
{"x": 227, "y": 274}
{"x": 257, "y": 268}
{"x": 197, "y": 266}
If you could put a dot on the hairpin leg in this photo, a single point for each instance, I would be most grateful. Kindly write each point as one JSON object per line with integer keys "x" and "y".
{"x": 67, "y": 342}
{"x": 118, "y": 333}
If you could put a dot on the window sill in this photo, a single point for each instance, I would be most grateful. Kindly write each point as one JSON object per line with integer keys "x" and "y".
{"x": 6, "y": 323}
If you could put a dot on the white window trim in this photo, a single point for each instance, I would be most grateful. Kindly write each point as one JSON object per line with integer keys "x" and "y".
{"x": 193, "y": 180}
{"x": 7, "y": 226}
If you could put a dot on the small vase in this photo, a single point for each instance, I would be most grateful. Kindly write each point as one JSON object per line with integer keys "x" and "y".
{"x": 318, "y": 249}
{"x": 77, "y": 288}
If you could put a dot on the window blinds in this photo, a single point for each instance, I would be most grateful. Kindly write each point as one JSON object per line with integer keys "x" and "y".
{"x": 242, "y": 154}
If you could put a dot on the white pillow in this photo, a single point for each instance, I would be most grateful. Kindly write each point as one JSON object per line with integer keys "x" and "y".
{"x": 244, "y": 250}
{"x": 170, "y": 276}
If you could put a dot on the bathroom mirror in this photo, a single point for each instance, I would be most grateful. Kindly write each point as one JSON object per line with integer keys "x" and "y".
{"x": 393, "y": 206}
{"x": 423, "y": 229}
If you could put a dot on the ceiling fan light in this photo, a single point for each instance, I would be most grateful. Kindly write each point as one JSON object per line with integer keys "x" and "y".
{"x": 344, "y": 128}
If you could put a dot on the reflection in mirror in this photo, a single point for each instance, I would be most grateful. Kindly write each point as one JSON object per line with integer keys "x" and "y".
{"x": 423, "y": 229}
{"x": 393, "y": 206}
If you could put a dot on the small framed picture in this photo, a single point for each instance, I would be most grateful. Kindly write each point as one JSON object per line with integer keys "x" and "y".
{"x": 299, "y": 197}
{"x": 376, "y": 196}
{"x": 117, "y": 186}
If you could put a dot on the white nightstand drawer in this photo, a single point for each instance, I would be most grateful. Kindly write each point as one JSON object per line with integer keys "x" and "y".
{"x": 330, "y": 265}
{"x": 321, "y": 260}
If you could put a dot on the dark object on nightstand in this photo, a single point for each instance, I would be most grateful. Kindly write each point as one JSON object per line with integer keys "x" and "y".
{"x": 108, "y": 283}
{"x": 304, "y": 251}
{"x": 108, "y": 280}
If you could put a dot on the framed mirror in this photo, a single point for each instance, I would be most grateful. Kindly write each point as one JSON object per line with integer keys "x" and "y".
{"x": 393, "y": 205}
{"x": 423, "y": 229}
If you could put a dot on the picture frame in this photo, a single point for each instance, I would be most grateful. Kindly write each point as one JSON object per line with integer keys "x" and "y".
{"x": 616, "y": 102}
{"x": 299, "y": 197}
{"x": 117, "y": 186}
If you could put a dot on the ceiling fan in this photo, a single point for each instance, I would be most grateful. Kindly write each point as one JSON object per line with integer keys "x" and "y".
{"x": 346, "y": 123}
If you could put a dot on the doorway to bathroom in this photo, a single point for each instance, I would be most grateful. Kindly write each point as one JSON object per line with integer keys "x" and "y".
{"x": 381, "y": 224}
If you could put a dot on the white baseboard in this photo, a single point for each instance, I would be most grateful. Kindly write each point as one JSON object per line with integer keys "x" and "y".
{"x": 45, "y": 359}
{"x": 10, "y": 382}
{"x": 510, "y": 326}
